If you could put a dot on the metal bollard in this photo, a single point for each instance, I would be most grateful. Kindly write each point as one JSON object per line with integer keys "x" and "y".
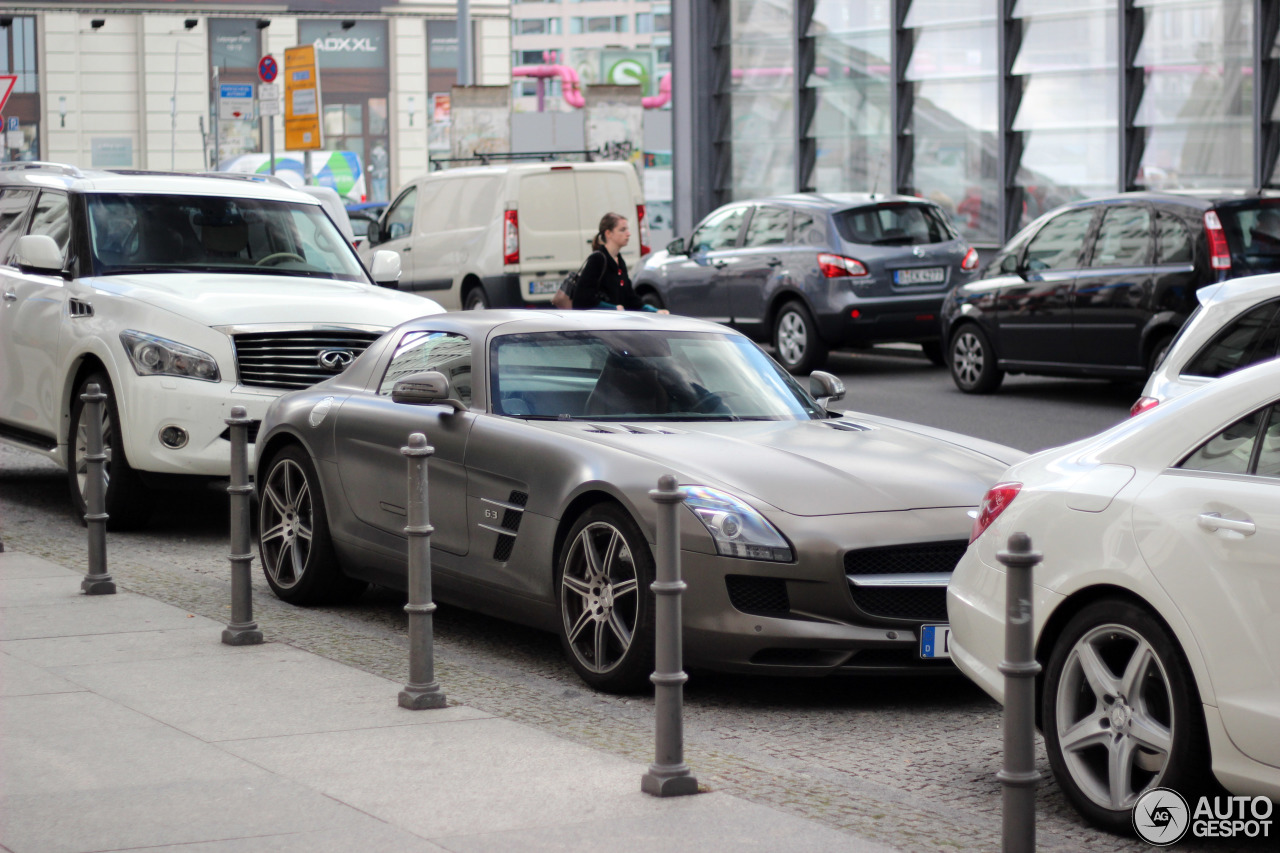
{"x": 1020, "y": 669}
{"x": 668, "y": 776}
{"x": 241, "y": 630}
{"x": 97, "y": 581}
{"x": 422, "y": 691}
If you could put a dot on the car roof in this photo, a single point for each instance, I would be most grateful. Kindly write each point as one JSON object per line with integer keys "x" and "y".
{"x": 477, "y": 324}
{"x": 74, "y": 179}
{"x": 836, "y": 201}
{"x": 1240, "y": 291}
{"x": 528, "y": 168}
{"x": 1202, "y": 199}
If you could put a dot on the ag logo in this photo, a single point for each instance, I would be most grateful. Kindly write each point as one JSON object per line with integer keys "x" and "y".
{"x": 1161, "y": 817}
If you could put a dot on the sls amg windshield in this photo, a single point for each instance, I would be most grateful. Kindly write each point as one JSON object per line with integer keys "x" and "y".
{"x": 642, "y": 375}
{"x": 173, "y": 233}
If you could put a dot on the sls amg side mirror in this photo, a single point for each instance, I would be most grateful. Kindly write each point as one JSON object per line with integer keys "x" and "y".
{"x": 825, "y": 388}
{"x": 426, "y": 389}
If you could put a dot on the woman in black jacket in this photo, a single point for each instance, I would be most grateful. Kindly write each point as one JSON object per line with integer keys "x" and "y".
{"x": 604, "y": 282}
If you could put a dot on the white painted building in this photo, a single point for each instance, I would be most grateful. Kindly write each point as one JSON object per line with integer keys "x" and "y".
{"x": 135, "y": 85}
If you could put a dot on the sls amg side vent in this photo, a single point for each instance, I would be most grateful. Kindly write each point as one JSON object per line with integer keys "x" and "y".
{"x": 512, "y": 512}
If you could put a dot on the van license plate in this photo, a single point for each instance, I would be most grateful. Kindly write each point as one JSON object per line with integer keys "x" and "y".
{"x": 929, "y": 275}
{"x": 935, "y": 641}
{"x": 544, "y": 286}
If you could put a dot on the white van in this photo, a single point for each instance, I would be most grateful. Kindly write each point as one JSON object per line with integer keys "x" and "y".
{"x": 505, "y": 236}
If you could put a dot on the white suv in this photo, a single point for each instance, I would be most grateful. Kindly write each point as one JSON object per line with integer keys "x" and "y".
{"x": 180, "y": 296}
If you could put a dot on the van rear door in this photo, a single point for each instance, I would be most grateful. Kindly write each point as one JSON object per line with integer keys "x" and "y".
{"x": 550, "y": 234}
{"x": 602, "y": 191}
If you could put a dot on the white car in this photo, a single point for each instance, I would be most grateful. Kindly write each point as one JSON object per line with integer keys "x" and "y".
{"x": 1237, "y": 324}
{"x": 180, "y": 296}
{"x": 1157, "y": 604}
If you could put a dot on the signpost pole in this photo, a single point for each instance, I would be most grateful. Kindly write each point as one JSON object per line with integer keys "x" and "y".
{"x": 269, "y": 103}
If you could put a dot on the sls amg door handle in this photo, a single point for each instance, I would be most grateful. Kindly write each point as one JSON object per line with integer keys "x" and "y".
{"x": 1215, "y": 522}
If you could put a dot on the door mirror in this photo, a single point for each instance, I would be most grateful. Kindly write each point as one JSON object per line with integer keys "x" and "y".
{"x": 385, "y": 269}
{"x": 38, "y": 253}
{"x": 825, "y": 388}
{"x": 676, "y": 247}
{"x": 373, "y": 233}
{"x": 1009, "y": 264}
{"x": 431, "y": 388}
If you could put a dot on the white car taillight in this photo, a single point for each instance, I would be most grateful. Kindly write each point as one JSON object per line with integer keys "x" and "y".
{"x": 996, "y": 501}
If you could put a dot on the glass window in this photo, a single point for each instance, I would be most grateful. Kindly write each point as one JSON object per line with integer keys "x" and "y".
{"x": 13, "y": 208}
{"x": 662, "y": 22}
{"x": 644, "y": 22}
{"x": 1253, "y": 234}
{"x": 234, "y": 43}
{"x": 399, "y": 219}
{"x": 809, "y": 230}
{"x": 893, "y": 225}
{"x": 1197, "y": 103}
{"x": 761, "y": 99}
{"x": 1230, "y": 451}
{"x": 720, "y": 231}
{"x": 444, "y": 352}
{"x": 1268, "y": 464}
{"x": 52, "y": 218}
{"x": 1058, "y": 244}
{"x": 1250, "y": 338}
{"x": 1173, "y": 240}
{"x": 768, "y": 227}
{"x": 603, "y": 375}
{"x": 1124, "y": 238}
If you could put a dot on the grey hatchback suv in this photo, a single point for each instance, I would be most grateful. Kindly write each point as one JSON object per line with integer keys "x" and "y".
{"x": 810, "y": 272}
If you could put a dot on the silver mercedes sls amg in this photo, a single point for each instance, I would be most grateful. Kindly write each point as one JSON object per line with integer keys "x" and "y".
{"x": 812, "y": 541}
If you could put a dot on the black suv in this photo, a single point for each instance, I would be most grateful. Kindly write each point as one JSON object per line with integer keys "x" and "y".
{"x": 1100, "y": 287}
{"x": 812, "y": 271}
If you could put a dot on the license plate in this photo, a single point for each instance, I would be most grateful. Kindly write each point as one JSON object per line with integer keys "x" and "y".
{"x": 544, "y": 286}
{"x": 935, "y": 641}
{"x": 930, "y": 275}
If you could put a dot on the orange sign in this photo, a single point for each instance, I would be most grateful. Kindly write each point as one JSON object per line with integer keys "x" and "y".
{"x": 301, "y": 99}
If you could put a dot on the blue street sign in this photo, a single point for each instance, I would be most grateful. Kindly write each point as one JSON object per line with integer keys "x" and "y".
{"x": 13, "y": 123}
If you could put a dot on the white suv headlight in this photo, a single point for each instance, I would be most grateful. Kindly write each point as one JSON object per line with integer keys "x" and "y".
{"x": 152, "y": 356}
{"x": 738, "y": 530}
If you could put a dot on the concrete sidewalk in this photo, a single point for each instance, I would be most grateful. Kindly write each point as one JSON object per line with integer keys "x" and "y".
{"x": 125, "y": 723}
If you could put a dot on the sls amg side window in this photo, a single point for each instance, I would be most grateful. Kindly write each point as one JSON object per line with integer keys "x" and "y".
{"x": 443, "y": 352}
{"x": 1240, "y": 448}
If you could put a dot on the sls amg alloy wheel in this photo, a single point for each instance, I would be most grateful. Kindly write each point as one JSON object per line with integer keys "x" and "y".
{"x": 293, "y": 539}
{"x": 606, "y": 606}
{"x": 1120, "y": 713}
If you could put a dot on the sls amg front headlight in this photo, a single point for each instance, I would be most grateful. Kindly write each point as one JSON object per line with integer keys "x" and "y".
{"x": 152, "y": 356}
{"x": 738, "y": 530}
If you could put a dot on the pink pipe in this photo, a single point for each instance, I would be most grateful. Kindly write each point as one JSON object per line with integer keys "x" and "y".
{"x": 569, "y": 84}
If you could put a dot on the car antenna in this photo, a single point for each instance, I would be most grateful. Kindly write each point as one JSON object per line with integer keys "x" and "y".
{"x": 875, "y": 185}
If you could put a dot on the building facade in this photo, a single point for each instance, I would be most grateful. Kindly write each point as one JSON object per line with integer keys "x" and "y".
{"x": 139, "y": 85}
{"x": 997, "y": 109}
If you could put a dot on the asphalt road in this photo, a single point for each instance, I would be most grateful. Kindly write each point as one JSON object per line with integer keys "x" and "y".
{"x": 909, "y": 762}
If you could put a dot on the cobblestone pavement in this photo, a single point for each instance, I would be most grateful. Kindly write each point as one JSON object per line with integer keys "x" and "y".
{"x": 907, "y": 762}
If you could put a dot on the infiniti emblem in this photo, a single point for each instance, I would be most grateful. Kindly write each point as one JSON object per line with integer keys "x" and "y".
{"x": 335, "y": 360}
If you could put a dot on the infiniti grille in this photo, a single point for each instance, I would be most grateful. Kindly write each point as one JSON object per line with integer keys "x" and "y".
{"x": 291, "y": 360}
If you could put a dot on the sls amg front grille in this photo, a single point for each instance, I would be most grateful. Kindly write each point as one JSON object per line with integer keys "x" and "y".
{"x": 758, "y": 596}
{"x": 903, "y": 581}
{"x": 291, "y": 360}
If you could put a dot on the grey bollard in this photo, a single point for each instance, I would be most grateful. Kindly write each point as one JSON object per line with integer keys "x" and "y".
{"x": 1019, "y": 667}
{"x": 241, "y": 630}
{"x": 668, "y": 776}
{"x": 97, "y": 581}
{"x": 422, "y": 691}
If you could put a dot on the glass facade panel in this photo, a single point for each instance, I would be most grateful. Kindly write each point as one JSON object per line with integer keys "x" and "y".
{"x": 851, "y": 122}
{"x": 1198, "y": 102}
{"x": 761, "y": 97}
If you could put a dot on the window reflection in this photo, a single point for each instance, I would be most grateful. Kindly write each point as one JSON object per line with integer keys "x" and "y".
{"x": 761, "y": 101}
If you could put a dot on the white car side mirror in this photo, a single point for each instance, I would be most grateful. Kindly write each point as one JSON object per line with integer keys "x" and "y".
{"x": 39, "y": 253}
{"x": 385, "y": 268}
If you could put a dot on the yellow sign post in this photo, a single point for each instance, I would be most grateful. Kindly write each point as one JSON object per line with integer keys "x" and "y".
{"x": 301, "y": 99}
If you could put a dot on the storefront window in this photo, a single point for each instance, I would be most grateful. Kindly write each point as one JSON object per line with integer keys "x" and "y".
{"x": 1197, "y": 106}
{"x": 954, "y": 120}
{"x": 1069, "y": 101}
{"x": 851, "y": 79}
{"x": 18, "y": 57}
{"x": 761, "y": 102}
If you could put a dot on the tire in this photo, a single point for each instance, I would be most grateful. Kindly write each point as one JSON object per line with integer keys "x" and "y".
{"x": 129, "y": 502}
{"x": 1158, "y": 351}
{"x": 1152, "y": 728}
{"x": 606, "y": 606}
{"x": 935, "y": 352}
{"x": 475, "y": 299}
{"x": 650, "y": 297}
{"x": 795, "y": 338}
{"x": 293, "y": 535}
{"x": 972, "y": 360}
